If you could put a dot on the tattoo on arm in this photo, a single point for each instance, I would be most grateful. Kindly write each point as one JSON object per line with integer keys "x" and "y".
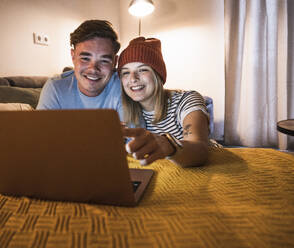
{"x": 187, "y": 130}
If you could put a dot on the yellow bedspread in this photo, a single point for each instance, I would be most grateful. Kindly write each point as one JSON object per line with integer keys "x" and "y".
{"x": 240, "y": 198}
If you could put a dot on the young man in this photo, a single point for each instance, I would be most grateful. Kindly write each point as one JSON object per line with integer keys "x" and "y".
{"x": 93, "y": 83}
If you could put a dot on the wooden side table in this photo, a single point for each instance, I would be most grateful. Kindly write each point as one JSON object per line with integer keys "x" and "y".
{"x": 286, "y": 127}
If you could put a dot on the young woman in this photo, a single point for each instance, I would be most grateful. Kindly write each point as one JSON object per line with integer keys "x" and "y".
{"x": 176, "y": 122}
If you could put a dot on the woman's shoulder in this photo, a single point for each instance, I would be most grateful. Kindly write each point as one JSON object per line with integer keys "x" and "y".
{"x": 181, "y": 95}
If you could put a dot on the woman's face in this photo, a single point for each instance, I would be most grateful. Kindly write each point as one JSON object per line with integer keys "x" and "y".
{"x": 138, "y": 83}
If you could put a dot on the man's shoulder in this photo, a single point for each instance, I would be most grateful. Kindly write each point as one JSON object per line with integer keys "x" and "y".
{"x": 114, "y": 83}
{"x": 115, "y": 78}
{"x": 67, "y": 74}
{"x": 61, "y": 80}
{"x": 63, "y": 77}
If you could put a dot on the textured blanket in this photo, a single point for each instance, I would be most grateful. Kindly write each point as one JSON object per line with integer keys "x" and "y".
{"x": 240, "y": 198}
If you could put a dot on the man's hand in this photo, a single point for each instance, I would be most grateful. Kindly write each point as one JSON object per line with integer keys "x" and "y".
{"x": 146, "y": 146}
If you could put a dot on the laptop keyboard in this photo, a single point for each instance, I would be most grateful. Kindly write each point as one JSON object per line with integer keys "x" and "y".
{"x": 135, "y": 185}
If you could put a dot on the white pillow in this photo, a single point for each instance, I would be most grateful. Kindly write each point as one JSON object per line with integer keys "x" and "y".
{"x": 15, "y": 106}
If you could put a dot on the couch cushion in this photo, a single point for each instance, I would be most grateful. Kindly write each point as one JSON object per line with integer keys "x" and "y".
{"x": 15, "y": 106}
{"x": 19, "y": 95}
{"x": 4, "y": 81}
{"x": 27, "y": 81}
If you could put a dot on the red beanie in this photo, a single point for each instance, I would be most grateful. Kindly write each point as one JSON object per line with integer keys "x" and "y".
{"x": 147, "y": 51}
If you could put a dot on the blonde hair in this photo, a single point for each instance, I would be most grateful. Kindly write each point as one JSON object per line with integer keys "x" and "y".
{"x": 132, "y": 110}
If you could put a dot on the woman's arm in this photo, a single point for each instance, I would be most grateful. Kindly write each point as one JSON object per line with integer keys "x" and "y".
{"x": 148, "y": 147}
{"x": 195, "y": 142}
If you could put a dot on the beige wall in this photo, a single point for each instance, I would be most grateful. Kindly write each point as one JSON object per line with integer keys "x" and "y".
{"x": 192, "y": 34}
{"x": 56, "y": 18}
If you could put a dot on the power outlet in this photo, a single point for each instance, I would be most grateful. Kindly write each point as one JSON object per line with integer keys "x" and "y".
{"x": 41, "y": 39}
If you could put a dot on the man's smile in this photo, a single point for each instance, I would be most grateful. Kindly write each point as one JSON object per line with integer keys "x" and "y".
{"x": 92, "y": 77}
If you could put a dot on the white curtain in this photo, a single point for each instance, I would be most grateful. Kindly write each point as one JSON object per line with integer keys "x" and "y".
{"x": 259, "y": 50}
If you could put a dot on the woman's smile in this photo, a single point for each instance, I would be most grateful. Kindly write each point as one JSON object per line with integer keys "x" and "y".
{"x": 137, "y": 87}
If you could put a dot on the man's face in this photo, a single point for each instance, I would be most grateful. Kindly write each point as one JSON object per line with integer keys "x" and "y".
{"x": 94, "y": 61}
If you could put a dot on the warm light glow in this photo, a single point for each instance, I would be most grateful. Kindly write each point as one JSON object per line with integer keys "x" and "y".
{"x": 141, "y": 8}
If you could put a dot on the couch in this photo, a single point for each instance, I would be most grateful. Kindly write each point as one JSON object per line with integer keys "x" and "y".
{"x": 20, "y": 92}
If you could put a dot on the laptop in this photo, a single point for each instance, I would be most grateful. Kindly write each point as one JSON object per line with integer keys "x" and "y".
{"x": 68, "y": 155}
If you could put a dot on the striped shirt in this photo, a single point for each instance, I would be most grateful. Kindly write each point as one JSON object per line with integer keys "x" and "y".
{"x": 180, "y": 105}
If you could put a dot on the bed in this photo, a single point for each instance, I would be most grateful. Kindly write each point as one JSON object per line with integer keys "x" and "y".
{"x": 242, "y": 197}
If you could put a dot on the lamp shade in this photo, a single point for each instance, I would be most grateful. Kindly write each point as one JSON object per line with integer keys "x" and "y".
{"x": 141, "y": 8}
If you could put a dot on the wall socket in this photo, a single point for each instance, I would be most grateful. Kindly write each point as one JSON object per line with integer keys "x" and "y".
{"x": 41, "y": 39}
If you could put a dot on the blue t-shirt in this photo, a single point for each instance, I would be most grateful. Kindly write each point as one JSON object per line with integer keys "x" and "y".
{"x": 62, "y": 92}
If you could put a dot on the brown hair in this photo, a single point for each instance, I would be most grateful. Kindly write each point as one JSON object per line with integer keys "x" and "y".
{"x": 95, "y": 28}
